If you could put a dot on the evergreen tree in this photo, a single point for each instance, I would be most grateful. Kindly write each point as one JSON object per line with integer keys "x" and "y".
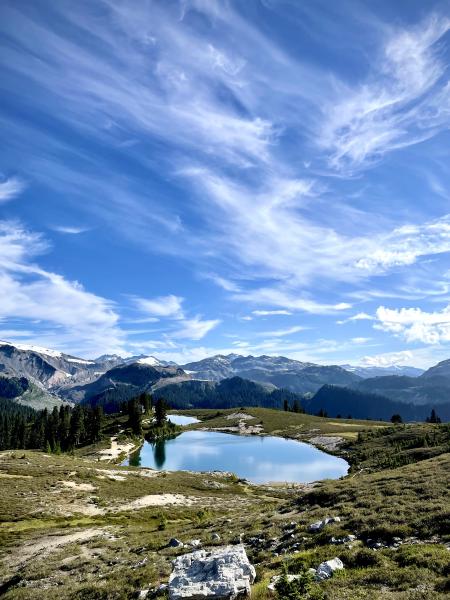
{"x": 433, "y": 418}
{"x": 77, "y": 431}
{"x": 160, "y": 411}
{"x": 135, "y": 416}
{"x": 396, "y": 419}
{"x": 97, "y": 421}
{"x": 296, "y": 406}
{"x": 285, "y": 405}
{"x": 146, "y": 402}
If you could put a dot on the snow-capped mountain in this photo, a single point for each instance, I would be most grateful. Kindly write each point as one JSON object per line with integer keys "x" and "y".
{"x": 367, "y": 372}
{"x": 279, "y": 371}
{"x": 46, "y": 368}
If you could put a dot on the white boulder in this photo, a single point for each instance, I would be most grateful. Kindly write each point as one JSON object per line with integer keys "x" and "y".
{"x": 326, "y": 569}
{"x": 319, "y": 525}
{"x": 223, "y": 573}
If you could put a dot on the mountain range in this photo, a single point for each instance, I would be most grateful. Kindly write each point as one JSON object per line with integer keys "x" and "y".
{"x": 53, "y": 377}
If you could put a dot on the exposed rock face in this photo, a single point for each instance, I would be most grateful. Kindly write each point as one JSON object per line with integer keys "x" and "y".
{"x": 223, "y": 573}
{"x": 279, "y": 371}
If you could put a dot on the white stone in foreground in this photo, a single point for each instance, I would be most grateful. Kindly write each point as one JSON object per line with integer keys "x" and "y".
{"x": 223, "y": 573}
{"x": 326, "y": 569}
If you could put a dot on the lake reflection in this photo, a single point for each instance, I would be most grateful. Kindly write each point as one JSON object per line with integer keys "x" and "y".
{"x": 258, "y": 459}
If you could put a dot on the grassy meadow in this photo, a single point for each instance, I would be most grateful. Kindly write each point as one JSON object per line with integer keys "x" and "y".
{"x": 75, "y": 527}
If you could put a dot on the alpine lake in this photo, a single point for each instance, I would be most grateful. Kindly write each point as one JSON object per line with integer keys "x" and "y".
{"x": 258, "y": 459}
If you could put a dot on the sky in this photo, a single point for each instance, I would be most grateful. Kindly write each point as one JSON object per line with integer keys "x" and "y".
{"x": 193, "y": 177}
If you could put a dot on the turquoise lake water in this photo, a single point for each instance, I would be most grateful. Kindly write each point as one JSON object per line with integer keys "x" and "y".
{"x": 257, "y": 459}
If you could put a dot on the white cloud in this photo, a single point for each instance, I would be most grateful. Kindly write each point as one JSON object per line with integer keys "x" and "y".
{"x": 361, "y": 316}
{"x": 360, "y": 340}
{"x": 266, "y": 313}
{"x": 282, "y": 332}
{"x": 70, "y": 316}
{"x": 70, "y": 230}
{"x": 416, "y": 325}
{"x": 162, "y": 306}
{"x": 194, "y": 329}
{"x": 10, "y": 188}
{"x": 403, "y": 102}
{"x": 404, "y": 245}
{"x": 290, "y": 301}
{"x": 170, "y": 308}
{"x": 387, "y": 359}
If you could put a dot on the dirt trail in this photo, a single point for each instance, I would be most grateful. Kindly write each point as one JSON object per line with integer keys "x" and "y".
{"x": 49, "y": 544}
{"x": 115, "y": 450}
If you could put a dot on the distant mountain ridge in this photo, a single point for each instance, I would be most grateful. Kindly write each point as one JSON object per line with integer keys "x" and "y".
{"x": 373, "y": 371}
{"x": 54, "y": 376}
{"x": 282, "y": 372}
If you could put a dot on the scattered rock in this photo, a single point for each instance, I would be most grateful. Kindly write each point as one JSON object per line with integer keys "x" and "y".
{"x": 328, "y": 442}
{"x": 195, "y": 543}
{"x": 326, "y": 569}
{"x": 344, "y": 540}
{"x": 174, "y": 543}
{"x": 215, "y": 537}
{"x": 319, "y": 525}
{"x": 223, "y": 573}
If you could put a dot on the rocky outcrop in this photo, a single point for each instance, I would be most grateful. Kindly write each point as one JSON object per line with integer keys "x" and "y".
{"x": 326, "y": 569}
{"x": 223, "y": 573}
{"x": 319, "y": 525}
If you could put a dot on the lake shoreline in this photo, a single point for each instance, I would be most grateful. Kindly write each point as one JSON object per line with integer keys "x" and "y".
{"x": 281, "y": 461}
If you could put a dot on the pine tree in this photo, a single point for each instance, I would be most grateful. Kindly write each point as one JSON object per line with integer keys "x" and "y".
{"x": 145, "y": 401}
{"x": 160, "y": 411}
{"x": 135, "y": 416}
{"x": 396, "y": 419}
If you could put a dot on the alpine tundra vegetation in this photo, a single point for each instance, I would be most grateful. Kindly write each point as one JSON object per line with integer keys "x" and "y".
{"x": 224, "y": 300}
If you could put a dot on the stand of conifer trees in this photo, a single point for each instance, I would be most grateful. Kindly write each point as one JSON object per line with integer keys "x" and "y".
{"x": 62, "y": 429}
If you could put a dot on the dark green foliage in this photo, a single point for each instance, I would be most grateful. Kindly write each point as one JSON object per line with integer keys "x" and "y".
{"x": 134, "y": 410}
{"x": 433, "y": 418}
{"x": 300, "y": 588}
{"x": 396, "y": 419}
{"x": 390, "y": 447}
{"x": 60, "y": 430}
{"x": 160, "y": 412}
{"x": 363, "y": 404}
{"x": 13, "y": 422}
{"x": 228, "y": 393}
{"x": 11, "y": 387}
{"x": 145, "y": 400}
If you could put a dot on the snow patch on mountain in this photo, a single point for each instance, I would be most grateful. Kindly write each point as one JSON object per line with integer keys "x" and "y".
{"x": 31, "y": 348}
{"x": 149, "y": 360}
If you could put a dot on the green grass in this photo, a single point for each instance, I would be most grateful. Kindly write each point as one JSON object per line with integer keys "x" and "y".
{"x": 277, "y": 422}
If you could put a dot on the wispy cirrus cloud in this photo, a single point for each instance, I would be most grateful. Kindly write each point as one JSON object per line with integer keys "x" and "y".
{"x": 70, "y": 229}
{"x": 234, "y": 165}
{"x": 171, "y": 309}
{"x": 10, "y": 188}
{"x": 277, "y": 333}
{"x": 404, "y": 101}
{"x": 70, "y": 317}
{"x": 269, "y": 313}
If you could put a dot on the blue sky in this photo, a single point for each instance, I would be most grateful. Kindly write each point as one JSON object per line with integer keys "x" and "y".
{"x": 193, "y": 177}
